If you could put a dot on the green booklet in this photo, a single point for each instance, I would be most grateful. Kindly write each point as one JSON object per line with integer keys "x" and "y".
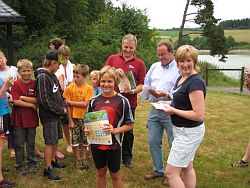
{"x": 131, "y": 79}
{"x": 95, "y": 122}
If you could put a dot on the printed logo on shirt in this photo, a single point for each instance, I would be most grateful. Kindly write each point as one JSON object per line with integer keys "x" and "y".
{"x": 31, "y": 92}
{"x": 107, "y": 102}
{"x": 130, "y": 66}
{"x": 55, "y": 88}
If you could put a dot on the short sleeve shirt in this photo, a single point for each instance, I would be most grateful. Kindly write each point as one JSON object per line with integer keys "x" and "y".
{"x": 181, "y": 99}
{"x": 135, "y": 65}
{"x": 119, "y": 113}
{"x": 23, "y": 116}
{"x": 78, "y": 94}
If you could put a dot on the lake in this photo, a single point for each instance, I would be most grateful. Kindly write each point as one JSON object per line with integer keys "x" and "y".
{"x": 233, "y": 62}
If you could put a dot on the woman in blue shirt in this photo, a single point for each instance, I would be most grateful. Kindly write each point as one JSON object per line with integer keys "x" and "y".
{"x": 187, "y": 112}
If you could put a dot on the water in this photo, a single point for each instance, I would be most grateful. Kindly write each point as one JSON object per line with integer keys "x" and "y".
{"x": 233, "y": 62}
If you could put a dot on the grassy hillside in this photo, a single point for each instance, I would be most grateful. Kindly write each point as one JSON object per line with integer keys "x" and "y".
{"x": 227, "y": 135}
{"x": 239, "y": 34}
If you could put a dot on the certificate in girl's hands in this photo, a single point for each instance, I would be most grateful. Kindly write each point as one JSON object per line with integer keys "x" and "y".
{"x": 94, "y": 122}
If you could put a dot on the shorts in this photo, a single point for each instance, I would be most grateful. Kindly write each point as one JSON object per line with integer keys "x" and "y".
{"x": 78, "y": 134}
{"x": 110, "y": 158}
{"x": 64, "y": 120}
{"x": 186, "y": 142}
{"x": 52, "y": 132}
{"x": 5, "y": 125}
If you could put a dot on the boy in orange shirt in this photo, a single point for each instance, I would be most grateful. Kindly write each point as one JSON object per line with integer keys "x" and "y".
{"x": 78, "y": 95}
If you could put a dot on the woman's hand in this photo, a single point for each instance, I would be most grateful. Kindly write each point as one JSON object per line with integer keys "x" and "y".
{"x": 169, "y": 110}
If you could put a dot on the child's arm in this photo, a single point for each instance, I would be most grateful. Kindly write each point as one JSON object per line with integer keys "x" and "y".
{"x": 78, "y": 104}
{"x": 70, "y": 119}
{"x": 24, "y": 104}
{"x": 28, "y": 99}
{"x": 8, "y": 83}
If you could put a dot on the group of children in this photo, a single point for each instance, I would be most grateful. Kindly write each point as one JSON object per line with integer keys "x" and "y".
{"x": 56, "y": 98}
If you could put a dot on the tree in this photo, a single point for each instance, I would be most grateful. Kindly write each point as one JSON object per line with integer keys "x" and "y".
{"x": 204, "y": 17}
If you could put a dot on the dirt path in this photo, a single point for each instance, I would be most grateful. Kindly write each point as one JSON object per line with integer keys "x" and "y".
{"x": 229, "y": 90}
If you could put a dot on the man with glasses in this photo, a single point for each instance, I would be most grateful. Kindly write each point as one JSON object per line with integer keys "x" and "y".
{"x": 162, "y": 75}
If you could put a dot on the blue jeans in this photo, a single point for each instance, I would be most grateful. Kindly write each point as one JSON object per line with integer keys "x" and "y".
{"x": 157, "y": 122}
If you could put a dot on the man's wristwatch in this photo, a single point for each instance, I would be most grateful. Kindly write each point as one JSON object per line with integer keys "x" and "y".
{"x": 132, "y": 91}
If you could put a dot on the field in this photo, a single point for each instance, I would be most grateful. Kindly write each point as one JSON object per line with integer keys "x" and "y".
{"x": 227, "y": 135}
{"x": 239, "y": 34}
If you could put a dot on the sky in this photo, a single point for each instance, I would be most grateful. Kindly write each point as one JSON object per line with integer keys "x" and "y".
{"x": 166, "y": 14}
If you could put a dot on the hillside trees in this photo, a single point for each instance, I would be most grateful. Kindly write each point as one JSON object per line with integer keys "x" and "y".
{"x": 236, "y": 24}
{"x": 204, "y": 17}
{"x": 92, "y": 28}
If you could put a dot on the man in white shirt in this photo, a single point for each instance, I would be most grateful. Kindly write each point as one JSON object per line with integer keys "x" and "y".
{"x": 162, "y": 75}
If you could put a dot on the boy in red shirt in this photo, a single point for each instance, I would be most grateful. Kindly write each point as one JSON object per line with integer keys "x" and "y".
{"x": 24, "y": 119}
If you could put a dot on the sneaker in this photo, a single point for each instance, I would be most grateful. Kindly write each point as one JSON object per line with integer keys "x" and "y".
{"x": 57, "y": 164}
{"x": 128, "y": 164}
{"x": 50, "y": 174}
{"x": 5, "y": 183}
{"x": 69, "y": 149}
{"x": 32, "y": 169}
{"x": 59, "y": 155}
{"x": 241, "y": 163}
{"x": 78, "y": 164}
{"x": 165, "y": 182}
{"x": 85, "y": 166}
{"x": 21, "y": 171}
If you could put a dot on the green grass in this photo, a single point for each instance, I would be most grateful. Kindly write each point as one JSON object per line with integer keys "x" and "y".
{"x": 227, "y": 135}
{"x": 238, "y": 34}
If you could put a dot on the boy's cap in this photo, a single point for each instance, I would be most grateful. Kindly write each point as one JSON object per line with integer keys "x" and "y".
{"x": 53, "y": 55}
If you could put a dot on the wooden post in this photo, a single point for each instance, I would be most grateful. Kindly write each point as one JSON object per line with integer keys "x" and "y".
{"x": 242, "y": 79}
{"x": 206, "y": 74}
{"x": 10, "y": 44}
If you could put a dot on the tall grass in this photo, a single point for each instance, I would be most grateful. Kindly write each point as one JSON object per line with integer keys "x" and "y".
{"x": 227, "y": 134}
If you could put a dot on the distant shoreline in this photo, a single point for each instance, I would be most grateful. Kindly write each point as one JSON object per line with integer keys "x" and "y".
{"x": 231, "y": 52}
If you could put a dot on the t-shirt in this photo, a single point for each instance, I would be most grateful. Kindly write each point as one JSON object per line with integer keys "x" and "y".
{"x": 119, "y": 113}
{"x": 97, "y": 90}
{"x": 4, "y": 103}
{"x": 78, "y": 94}
{"x": 181, "y": 99}
{"x": 23, "y": 116}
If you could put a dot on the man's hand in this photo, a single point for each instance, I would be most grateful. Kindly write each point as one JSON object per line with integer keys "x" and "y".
{"x": 120, "y": 72}
{"x": 158, "y": 93}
